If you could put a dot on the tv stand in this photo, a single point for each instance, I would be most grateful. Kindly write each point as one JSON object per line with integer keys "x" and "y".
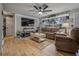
{"x": 29, "y": 29}
{"x": 25, "y": 34}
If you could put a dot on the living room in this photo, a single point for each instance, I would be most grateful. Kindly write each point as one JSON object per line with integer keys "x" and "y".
{"x": 42, "y": 29}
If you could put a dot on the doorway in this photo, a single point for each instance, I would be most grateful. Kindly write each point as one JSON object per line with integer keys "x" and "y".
{"x": 7, "y": 26}
{"x": 4, "y": 27}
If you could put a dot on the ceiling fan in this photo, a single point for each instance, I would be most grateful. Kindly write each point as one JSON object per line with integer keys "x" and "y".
{"x": 41, "y": 9}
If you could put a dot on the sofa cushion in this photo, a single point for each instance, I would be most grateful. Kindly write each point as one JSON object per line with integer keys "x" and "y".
{"x": 75, "y": 34}
{"x": 49, "y": 30}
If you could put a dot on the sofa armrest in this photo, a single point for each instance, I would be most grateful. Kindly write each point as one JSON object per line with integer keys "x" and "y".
{"x": 64, "y": 38}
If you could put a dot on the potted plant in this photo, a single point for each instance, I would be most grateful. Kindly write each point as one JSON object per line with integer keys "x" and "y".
{"x": 18, "y": 33}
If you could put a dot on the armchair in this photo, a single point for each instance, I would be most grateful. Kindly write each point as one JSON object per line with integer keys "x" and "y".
{"x": 68, "y": 44}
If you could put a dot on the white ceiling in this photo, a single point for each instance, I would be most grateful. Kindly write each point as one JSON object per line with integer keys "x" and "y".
{"x": 23, "y": 8}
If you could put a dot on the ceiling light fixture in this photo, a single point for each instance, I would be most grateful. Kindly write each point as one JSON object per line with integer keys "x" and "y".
{"x": 40, "y": 13}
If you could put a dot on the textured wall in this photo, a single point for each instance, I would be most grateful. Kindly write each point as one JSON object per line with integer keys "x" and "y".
{"x": 1, "y": 24}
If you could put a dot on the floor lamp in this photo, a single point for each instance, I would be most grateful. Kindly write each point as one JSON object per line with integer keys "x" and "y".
{"x": 40, "y": 24}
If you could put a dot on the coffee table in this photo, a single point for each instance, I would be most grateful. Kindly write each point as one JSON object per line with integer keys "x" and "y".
{"x": 38, "y": 37}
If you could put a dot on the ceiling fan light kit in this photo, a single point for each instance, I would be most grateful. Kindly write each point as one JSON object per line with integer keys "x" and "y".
{"x": 40, "y": 13}
{"x": 42, "y": 9}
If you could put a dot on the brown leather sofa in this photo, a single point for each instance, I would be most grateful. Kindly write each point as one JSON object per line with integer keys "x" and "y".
{"x": 68, "y": 44}
{"x": 50, "y": 32}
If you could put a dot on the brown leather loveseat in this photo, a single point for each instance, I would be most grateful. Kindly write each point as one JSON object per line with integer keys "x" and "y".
{"x": 68, "y": 44}
{"x": 50, "y": 32}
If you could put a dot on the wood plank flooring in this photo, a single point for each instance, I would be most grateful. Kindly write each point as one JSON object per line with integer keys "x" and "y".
{"x": 27, "y": 47}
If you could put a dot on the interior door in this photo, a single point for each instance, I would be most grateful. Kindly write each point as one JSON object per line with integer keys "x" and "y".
{"x": 8, "y": 26}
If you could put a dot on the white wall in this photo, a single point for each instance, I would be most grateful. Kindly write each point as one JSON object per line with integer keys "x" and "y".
{"x": 74, "y": 16}
{"x": 1, "y": 24}
{"x": 77, "y": 18}
{"x": 18, "y": 26}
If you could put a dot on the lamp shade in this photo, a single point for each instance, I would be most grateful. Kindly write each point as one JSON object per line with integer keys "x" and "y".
{"x": 65, "y": 24}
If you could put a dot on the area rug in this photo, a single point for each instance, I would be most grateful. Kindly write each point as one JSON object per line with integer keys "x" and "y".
{"x": 44, "y": 44}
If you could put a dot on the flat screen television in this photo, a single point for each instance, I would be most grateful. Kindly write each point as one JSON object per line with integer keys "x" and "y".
{"x": 27, "y": 22}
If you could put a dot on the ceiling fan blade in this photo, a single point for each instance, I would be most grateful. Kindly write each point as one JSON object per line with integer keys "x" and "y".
{"x": 45, "y": 7}
{"x": 36, "y": 7}
{"x": 47, "y": 10}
